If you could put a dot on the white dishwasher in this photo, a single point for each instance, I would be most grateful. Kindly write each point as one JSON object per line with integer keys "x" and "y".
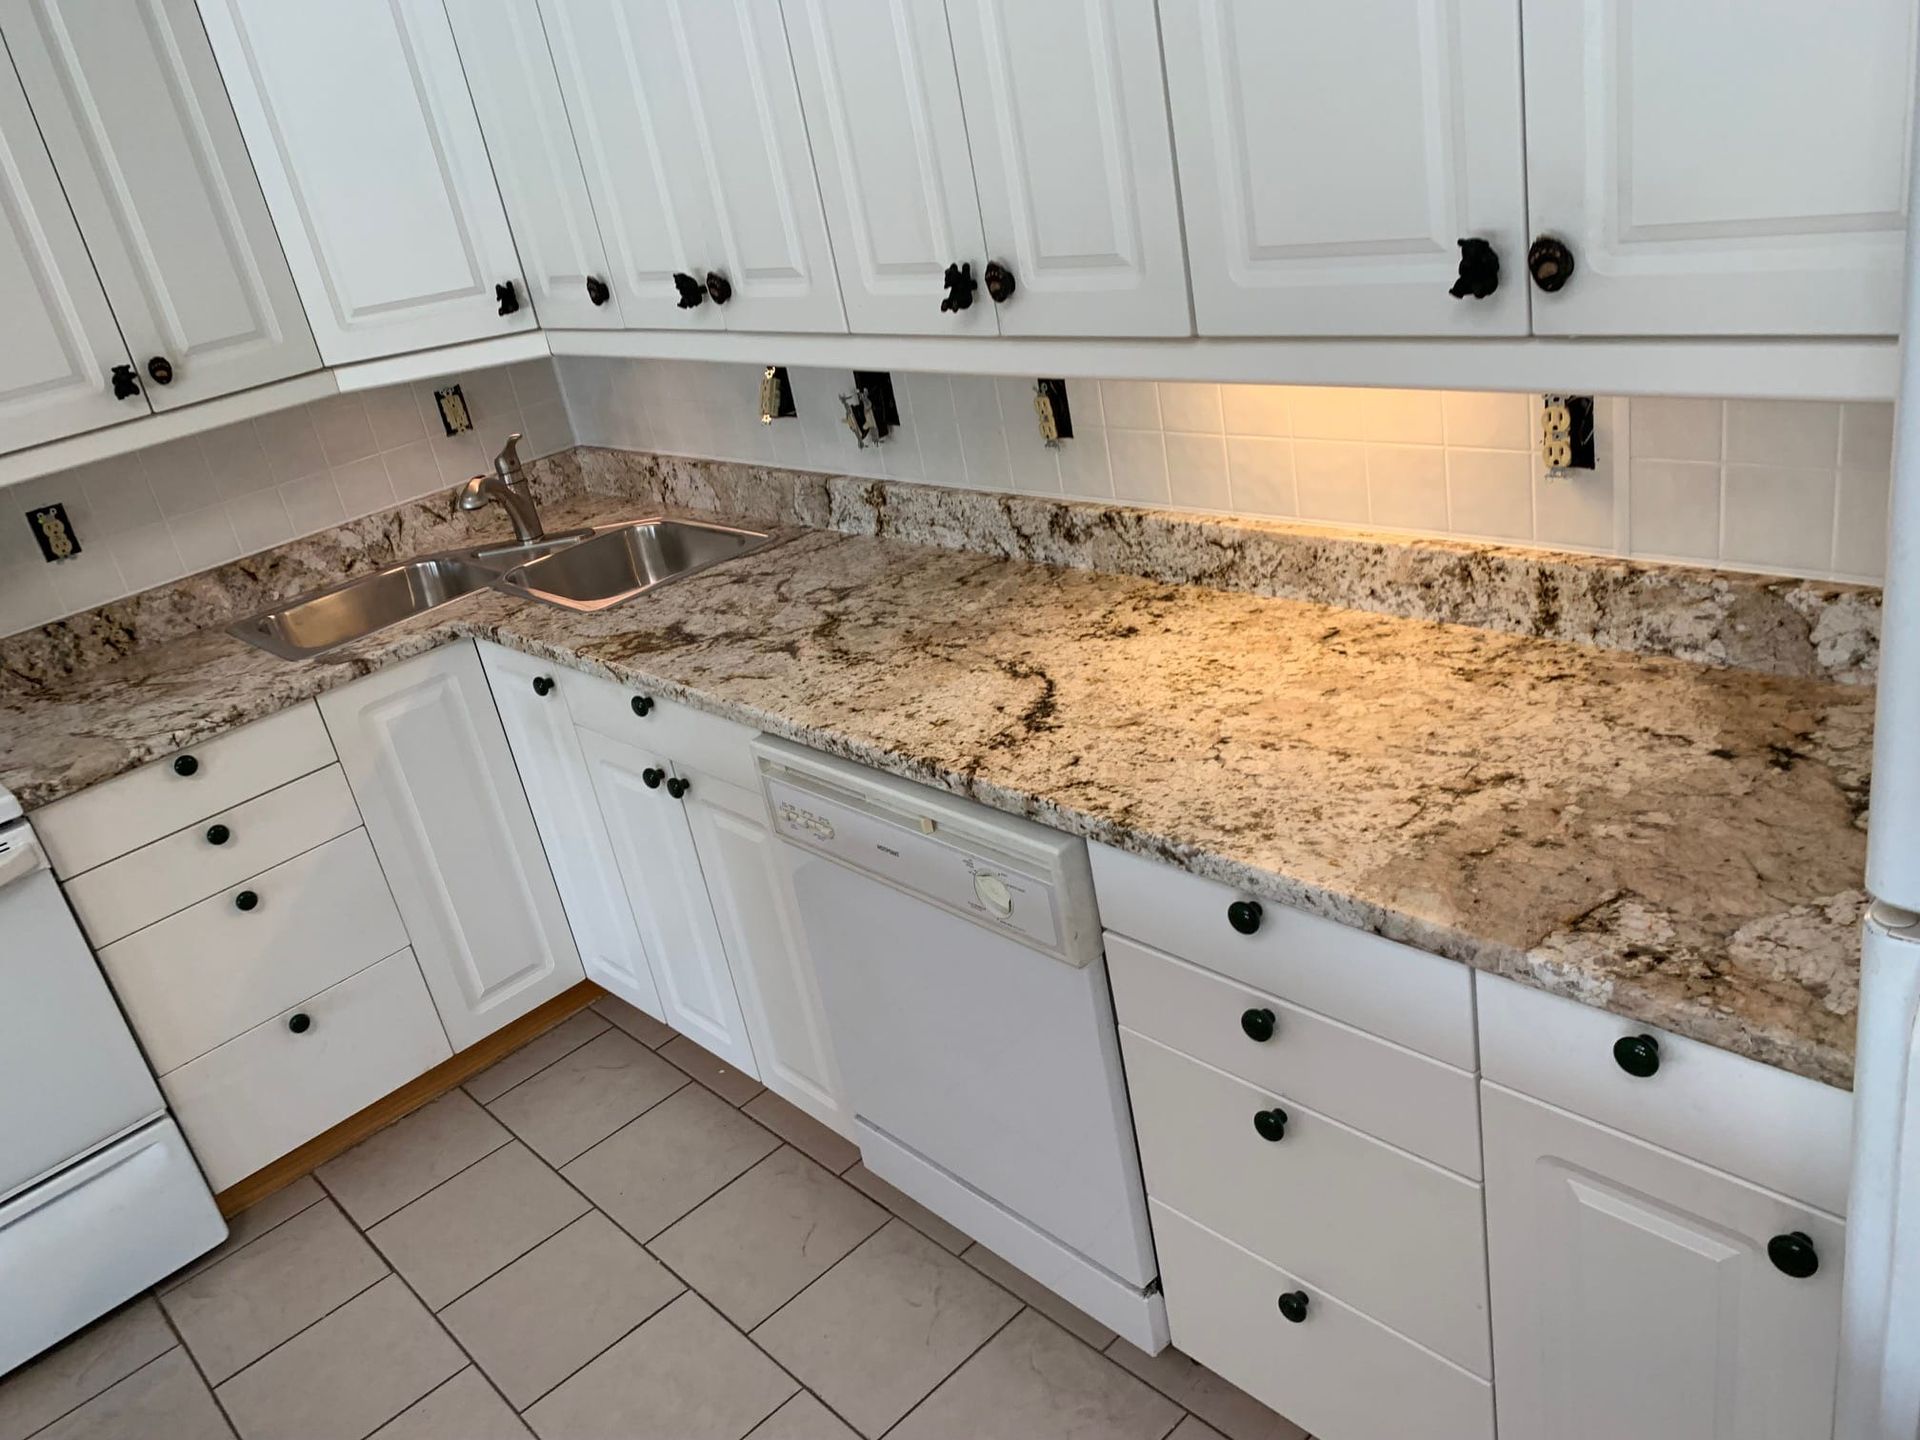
{"x": 958, "y": 953}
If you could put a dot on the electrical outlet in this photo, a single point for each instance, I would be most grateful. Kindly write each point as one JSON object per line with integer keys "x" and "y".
{"x": 1566, "y": 433}
{"x": 1050, "y": 408}
{"x": 54, "y": 532}
{"x": 776, "y": 395}
{"x": 454, "y": 414}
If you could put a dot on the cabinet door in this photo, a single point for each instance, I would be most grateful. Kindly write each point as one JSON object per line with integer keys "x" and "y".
{"x": 890, "y": 148}
{"x": 56, "y": 365}
{"x": 1633, "y": 1294}
{"x": 428, "y": 761}
{"x": 139, "y": 126}
{"x": 654, "y": 850}
{"x": 1332, "y": 157}
{"x": 1720, "y": 170}
{"x": 752, "y": 898}
{"x": 357, "y": 117}
{"x": 1067, "y": 117}
{"x": 503, "y": 48}
{"x": 531, "y": 697}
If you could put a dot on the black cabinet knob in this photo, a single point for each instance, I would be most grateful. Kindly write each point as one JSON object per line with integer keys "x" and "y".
{"x": 508, "y": 294}
{"x": 218, "y": 834}
{"x": 161, "y": 369}
{"x": 719, "y": 288}
{"x": 1244, "y": 916}
{"x": 960, "y": 286}
{"x": 642, "y": 705}
{"x": 652, "y": 776}
{"x": 1000, "y": 282}
{"x": 185, "y": 765}
{"x": 300, "y": 1024}
{"x": 678, "y": 788}
{"x": 1637, "y": 1054}
{"x": 1258, "y": 1024}
{"x": 245, "y": 900}
{"x": 1272, "y": 1124}
{"x": 1479, "y": 270}
{"x": 125, "y": 387}
{"x": 1550, "y": 263}
{"x": 1793, "y": 1254}
{"x": 597, "y": 290}
{"x": 1293, "y": 1305}
{"x": 543, "y": 684}
{"x": 692, "y": 292}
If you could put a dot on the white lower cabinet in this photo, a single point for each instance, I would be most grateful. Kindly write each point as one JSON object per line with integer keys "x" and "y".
{"x": 429, "y": 764}
{"x": 1636, "y": 1292}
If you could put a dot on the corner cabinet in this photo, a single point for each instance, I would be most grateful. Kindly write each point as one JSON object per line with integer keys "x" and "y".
{"x": 429, "y": 765}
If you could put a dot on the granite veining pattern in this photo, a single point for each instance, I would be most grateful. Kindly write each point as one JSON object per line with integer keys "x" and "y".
{"x": 1681, "y": 844}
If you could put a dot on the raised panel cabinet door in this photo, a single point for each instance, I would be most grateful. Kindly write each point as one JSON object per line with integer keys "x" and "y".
{"x": 429, "y": 764}
{"x": 654, "y": 850}
{"x": 1332, "y": 159}
{"x": 1720, "y": 170}
{"x": 1633, "y": 1293}
{"x": 503, "y": 47}
{"x": 752, "y": 896}
{"x": 1067, "y": 122}
{"x": 531, "y": 697}
{"x": 357, "y": 116}
{"x": 61, "y": 345}
{"x": 890, "y": 149}
{"x": 139, "y": 126}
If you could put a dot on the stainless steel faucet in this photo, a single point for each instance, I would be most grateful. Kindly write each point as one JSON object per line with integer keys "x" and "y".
{"x": 506, "y": 486}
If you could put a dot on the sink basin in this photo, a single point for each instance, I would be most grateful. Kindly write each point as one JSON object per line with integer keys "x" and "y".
{"x": 623, "y": 561}
{"x": 354, "y": 609}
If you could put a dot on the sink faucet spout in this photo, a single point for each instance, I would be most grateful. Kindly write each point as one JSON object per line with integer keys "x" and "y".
{"x": 507, "y": 487}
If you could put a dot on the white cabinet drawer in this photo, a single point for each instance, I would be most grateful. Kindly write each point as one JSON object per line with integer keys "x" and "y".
{"x": 126, "y": 812}
{"x": 1401, "y": 1239}
{"x": 1386, "y": 1090}
{"x": 263, "y": 1093}
{"x": 203, "y": 976}
{"x": 1336, "y": 1372}
{"x": 1775, "y": 1128}
{"x": 684, "y": 735}
{"x": 1405, "y": 995}
{"x": 125, "y": 895}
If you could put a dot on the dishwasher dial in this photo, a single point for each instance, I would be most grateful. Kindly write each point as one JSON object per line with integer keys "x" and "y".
{"x": 991, "y": 891}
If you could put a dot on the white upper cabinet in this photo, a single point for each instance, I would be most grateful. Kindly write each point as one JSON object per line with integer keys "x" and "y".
{"x": 503, "y": 47}
{"x": 357, "y": 116}
{"x": 1720, "y": 170}
{"x": 689, "y": 125}
{"x": 1067, "y": 123}
{"x": 890, "y": 148}
{"x": 138, "y": 124}
{"x": 1333, "y": 157}
{"x": 62, "y": 345}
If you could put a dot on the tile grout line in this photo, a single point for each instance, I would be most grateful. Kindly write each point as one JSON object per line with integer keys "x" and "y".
{"x": 81, "y": 1405}
{"x": 194, "y": 1360}
{"x": 488, "y": 1104}
{"x": 157, "y": 1291}
{"x": 934, "y": 1389}
{"x": 389, "y": 1270}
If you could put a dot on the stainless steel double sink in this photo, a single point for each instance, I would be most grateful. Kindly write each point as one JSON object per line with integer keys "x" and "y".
{"x": 582, "y": 570}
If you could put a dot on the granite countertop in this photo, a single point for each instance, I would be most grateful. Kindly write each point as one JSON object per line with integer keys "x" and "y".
{"x": 1681, "y": 845}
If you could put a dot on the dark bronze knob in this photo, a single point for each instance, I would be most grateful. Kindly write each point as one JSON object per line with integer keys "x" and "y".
{"x": 218, "y": 834}
{"x": 692, "y": 292}
{"x": 1000, "y": 282}
{"x": 960, "y": 287}
{"x": 652, "y": 776}
{"x": 508, "y": 294}
{"x": 642, "y": 705}
{"x": 719, "y": 287}
{"x": 1550, "y": 262}
{"x": 1258, "y": 1024}
{"x": 1293, "y": 1305}
{"x": 678, "y": 788}
{"x": 1637, "y": 1054}
{"x": 1793, "y": 1254}
{"x": 1272, "y": 1124}
{"x": 1244, "y": 916}
{"x": 597, "y": 290}
{"x": 185, "y": 765}
{"x": 1479, "y": 270}
{"x": 125, "y": 387}
{"x": 543, "y": 684}
{"x": 245, "y": 900}
{"x": 301, "y": 1023}
{"x": 161, "y": 369}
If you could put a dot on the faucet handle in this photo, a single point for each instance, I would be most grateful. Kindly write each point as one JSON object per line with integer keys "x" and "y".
{"x": 507, "y": 463}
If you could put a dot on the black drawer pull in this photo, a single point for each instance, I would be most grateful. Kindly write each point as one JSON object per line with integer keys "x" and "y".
{"x": 185, "y": 765}
{"x": 1793, "y": 1254}
{"x": 1272, "y": 1124}
{"x": 1258, "y": 1024}
{"x": 1638, "y": 1055}
{"x": 543, "y": 684}
{"x": 1293, "y": 1305}
{"x": 642, "y": 706}
{"x": 300, "y": 1024}
{"x": 218, "y": 834}
{"x": 245, "y": 900}
{"x": 1244, "y": 916}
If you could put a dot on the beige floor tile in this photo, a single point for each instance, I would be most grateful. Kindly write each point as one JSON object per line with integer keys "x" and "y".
{"x": 534, "y": 1056}
{"x": 586, "y": 1095}
{"x": 72, "y": 1373}
{"x": 950, "y": 1238}
{"x": 768, "y": 1235}
{"x": 348, "y": 1375}
{"x": 1192, "y": 1429}
{"x": 1062, "y": 1312}
{"x": 711, "y": 1071}
{"x": 802, "y": 1418}
{"x": 649, "y": 1174}
{"x": 684, "y": 1375}
{"x": 487, "y": 1216}
{"x": 165, "y": 1400}
{"x": 253, "y": 1222}
{"x": 1227, "y": 1408}
{"x": 875, "y": 1334}
{"x": 558, "y": 1306}
{"x": 637, "y": 1023}
{"x": 411, "y": 1156}
{"x": 235, "y": 1312}
{"x": 465, "y": 1408}
{"x": 802, "y": 1131}
{"x": 1033, "y": 1378}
